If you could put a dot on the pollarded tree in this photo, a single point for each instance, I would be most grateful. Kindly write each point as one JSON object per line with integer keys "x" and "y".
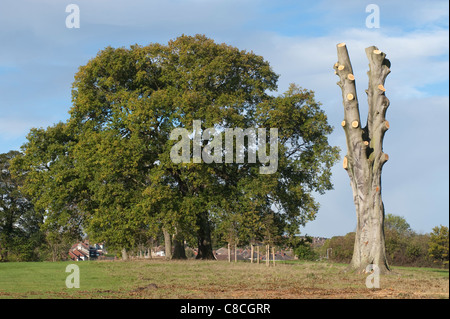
{"x": 365, "y": 157}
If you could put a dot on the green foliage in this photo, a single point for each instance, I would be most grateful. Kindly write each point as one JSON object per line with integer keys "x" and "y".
{"x": 407, "y": 249}
{"x": 305, "y": 251}
{"x": 397, "y": 224}
{"x": 438, "y": 245}
{"x": 404, "y": 247}
{"x": 190, "y": 254}
{"x": 20, "y": 234}
{"x": 53, "y": 186}
{"x": 341, "y": 247}
{"x": 107, "y": 171}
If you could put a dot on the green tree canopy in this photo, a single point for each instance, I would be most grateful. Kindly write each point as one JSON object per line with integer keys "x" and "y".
{"x": 20, "y": 232}
{"x": 397, "y": 223}
{"x": 438, "y": 244}
{"x": 109, "y": 167}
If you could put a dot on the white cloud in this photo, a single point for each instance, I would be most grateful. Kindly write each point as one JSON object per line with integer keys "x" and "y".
{"x": 417, "y": 58}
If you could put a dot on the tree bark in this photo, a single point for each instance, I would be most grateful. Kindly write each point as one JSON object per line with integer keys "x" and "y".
{"x": 204, "y": 237}
{"x": 179, "y": 250}
{"x": 273, "y": 256}
{"x": 167, "y": 244}
{"x": 150, "y": 249}
{"x": 365, "y": 157}
{"x": 124, "y": 254}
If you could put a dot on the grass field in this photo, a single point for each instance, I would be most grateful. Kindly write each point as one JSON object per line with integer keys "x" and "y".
{"x": 214, "y": 279}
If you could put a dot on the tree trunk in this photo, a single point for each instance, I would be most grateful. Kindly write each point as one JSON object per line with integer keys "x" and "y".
{"x": 204, "y": 237}
{"x": 257, "y": 254}
{"x": 167, "y": 244}
{"x": 54, "y": 253}
{"x": 273, "y": 256}
{"x": 124, "y": 254}
{"x": 179, "y": 250}
{"x": 150, "y": 250}
{"x": 365, "y": 157}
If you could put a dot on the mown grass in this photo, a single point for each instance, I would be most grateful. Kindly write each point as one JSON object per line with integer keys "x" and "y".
{"x": 214, "y": 279}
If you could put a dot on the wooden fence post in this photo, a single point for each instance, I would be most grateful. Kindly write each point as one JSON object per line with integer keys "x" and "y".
{"x": 273, "y": 256}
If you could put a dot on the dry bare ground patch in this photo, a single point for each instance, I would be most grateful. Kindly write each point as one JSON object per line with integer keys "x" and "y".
{"x": 199, "y": 279}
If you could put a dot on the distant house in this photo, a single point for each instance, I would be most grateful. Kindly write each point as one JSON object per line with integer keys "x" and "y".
{"x": 221, "y": 253}
{"x": 97, "y": 250}
{"x": 159, "y": 251}
{"x": 84, "y": 251}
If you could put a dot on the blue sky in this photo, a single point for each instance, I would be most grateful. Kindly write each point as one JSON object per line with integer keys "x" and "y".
{"x": 39, "y": 57}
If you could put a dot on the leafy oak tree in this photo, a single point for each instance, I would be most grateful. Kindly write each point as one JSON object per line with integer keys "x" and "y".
{"x": 112, "y": 159}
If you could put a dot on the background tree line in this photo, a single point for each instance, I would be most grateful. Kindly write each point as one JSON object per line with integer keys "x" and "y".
{"x": 404, "y": 247}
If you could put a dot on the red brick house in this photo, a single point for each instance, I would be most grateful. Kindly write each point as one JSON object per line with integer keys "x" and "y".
{"x": 84, "y": 251}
